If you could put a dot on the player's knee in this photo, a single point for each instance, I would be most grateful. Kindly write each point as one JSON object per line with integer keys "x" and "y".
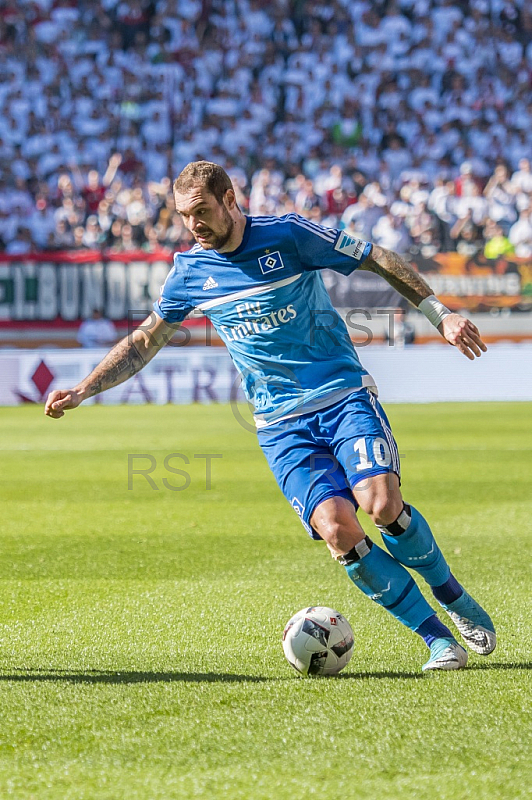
{"x": 333, "y": 532}
{"x": 380, "y": 497}
{"x": 336, "y": 523}
{"x": 383, "y": 507}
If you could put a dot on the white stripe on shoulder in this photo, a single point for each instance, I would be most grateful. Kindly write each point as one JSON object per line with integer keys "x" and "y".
{"x": 306, "y": 223}
{"x": 292, "y": 218}
{"x": 324, "y": 233}
{"x": 316, "y": 229}
{"x": 264, "y": 287}
{"x": 321, "y": 228}
{"x": 267, "y": 221}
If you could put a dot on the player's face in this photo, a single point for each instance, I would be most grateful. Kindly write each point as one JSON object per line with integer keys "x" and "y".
{"x": 209, "y": 221}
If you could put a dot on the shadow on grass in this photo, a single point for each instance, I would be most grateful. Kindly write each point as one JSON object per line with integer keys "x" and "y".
{"x": 111, "y": 676}
{"x": 121, "y": 677}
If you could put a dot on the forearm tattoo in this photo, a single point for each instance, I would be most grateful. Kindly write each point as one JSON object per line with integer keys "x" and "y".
{"x": 399, "y": 274}
{"x": 121, "y": 363}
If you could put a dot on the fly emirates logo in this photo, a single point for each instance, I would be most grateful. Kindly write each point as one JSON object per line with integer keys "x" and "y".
{"x": 255, "y": 321}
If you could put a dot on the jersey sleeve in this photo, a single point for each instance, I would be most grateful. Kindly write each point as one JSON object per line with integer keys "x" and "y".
{"x": 174, "y": 303}
{"x": 327, "y": 248}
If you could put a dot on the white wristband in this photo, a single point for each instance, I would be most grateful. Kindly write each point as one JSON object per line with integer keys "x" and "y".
{"x": 434, "y": 311}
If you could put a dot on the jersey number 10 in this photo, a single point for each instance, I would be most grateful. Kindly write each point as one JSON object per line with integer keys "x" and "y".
{"x": 381, "y": 453}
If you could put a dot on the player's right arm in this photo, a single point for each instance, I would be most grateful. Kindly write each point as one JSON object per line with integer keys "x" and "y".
{"x": 126, "y": 358}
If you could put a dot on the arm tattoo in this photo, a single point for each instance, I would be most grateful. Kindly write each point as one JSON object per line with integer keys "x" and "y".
{"x": 121, "y": 363}
{"x": 399, "y": 274}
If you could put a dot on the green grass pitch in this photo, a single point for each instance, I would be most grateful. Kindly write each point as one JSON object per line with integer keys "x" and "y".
{"x": 140, "y": 629}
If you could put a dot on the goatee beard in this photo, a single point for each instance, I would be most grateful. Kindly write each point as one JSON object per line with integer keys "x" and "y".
{"x": 220, "y": 239}
{"x": 217, "y": 241}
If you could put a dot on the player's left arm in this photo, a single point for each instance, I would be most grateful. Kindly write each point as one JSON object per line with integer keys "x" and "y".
{"x": 455, "y": 329}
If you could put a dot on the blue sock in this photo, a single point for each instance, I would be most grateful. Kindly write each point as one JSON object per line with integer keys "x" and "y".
{"x": 432, "y": 629}
{"x": 387, "y": 583}
{"x": 449, "y": 591}
{"x": 410, "y": 540}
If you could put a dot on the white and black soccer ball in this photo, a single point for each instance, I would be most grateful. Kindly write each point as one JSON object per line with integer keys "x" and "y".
{"x": 318, "y": 641}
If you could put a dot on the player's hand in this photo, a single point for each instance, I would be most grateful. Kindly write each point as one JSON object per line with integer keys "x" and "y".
{"x": 461, "y": 333}
{"x": 60, "y": 401}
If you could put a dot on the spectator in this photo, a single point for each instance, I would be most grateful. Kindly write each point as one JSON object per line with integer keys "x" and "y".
{"x": 466, "y": 183}
{"x": 79, "y": 236}
{"x": 467, "y": 236}
{"x": 473, "y": 205}
{"x": 501, "y": 200}
{"x": 423, "y": 226}
{"x": 92, "y": 237}
{"x": 497, "y": 244}
{"x": 21, "y": 243}
{"x": 62, "y": 237}
{"x": 97, "y": 331}
{"x": 390, "y": 232}
{"x": 361, "y": 218}
{"x": 520, "y": 234}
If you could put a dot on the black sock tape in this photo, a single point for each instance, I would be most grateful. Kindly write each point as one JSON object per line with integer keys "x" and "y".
{"x": 357, "y": 552}
{"x": 401, "y": 523}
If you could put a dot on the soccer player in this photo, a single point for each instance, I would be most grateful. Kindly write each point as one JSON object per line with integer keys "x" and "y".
{"x": 324, "y": 433}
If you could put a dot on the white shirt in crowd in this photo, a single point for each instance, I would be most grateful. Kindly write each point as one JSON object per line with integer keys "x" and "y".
{"x": 97, "y": 333}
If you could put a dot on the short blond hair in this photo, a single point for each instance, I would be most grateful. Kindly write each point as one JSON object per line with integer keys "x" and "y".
{"x": 205, "y": 174}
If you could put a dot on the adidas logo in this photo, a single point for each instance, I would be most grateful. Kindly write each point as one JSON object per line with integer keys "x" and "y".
{"x": 210, "y": 283}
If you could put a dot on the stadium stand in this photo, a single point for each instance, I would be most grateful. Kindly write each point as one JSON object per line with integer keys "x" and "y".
{"x": 408, "y": 122}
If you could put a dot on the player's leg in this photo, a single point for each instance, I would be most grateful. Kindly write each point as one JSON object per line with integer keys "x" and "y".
{"x": 370, "y": 568}
{"x": 406, "y": 533}
{"x": 316, "y": 486}
{"x": 408, "y": 537}
{"x": 384, "y": 580}
{"x": 410, "y": 540}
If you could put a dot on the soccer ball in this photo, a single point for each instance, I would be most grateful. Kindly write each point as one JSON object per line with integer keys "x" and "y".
{"x": 318, "y": 641}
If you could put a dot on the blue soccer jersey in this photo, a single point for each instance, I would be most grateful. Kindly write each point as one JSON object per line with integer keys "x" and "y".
{"x": 268, "y": 303}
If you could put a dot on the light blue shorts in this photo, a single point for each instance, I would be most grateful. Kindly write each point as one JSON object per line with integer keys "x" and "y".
{"x": 328, "y": 452}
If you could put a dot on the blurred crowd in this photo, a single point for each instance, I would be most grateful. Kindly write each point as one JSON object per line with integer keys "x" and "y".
{"x": 408, "y": 122}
